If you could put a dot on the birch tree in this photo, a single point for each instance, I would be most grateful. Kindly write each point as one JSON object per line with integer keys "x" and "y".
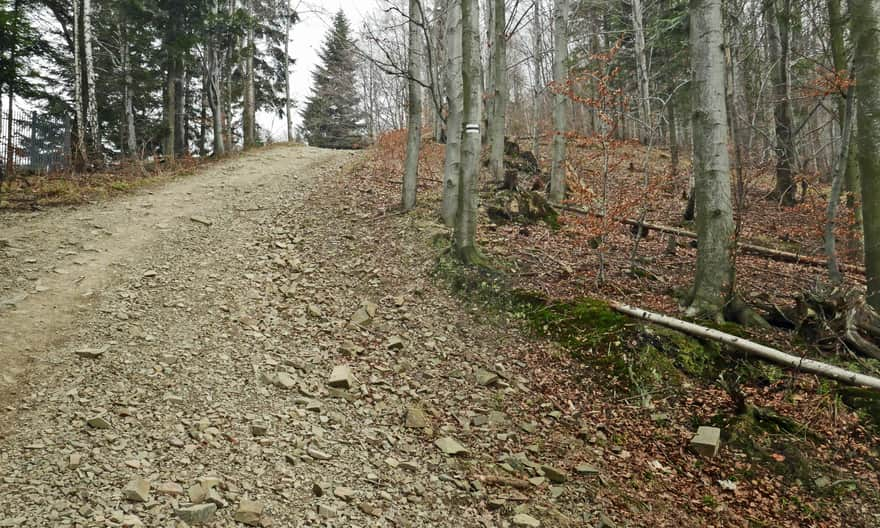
{"x": 92, "y": 113}
{"x": 714, "y": 278}
{"x": 455, "y": 99}
{"x": 414, "y": 119}
{"x": 865, "y": 20}
{"x": 81, "y": 152}
{"x": 560, "y": 100}
{"x": 465, "y": 232}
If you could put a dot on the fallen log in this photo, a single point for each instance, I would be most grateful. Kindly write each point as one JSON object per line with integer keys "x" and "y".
{"x": 750, "y": 347}
{"x": 774, "y": 254}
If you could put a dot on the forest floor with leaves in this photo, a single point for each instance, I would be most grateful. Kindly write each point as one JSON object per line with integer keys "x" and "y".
{"x": 820, "y": 468}
{"x": 173, "y": 354}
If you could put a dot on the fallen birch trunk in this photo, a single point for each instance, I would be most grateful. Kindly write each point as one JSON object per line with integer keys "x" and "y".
{"x": 774, "y": 254}
{"x": 750, "y": 347}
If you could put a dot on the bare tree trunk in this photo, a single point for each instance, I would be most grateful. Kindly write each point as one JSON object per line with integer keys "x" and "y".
{"x": 644, "y": 107}
{"x": 130, "y": 135}
{"x": 865, "y": 20}
{"x": 92, "y": 113}
{"x": 673, "y": 137}
{"x": 81, "y": 153}
{"x": 465, "y": 233}
{"x": 560, "y": 104}
{"x": 203, "y": 118}
{"x": 499, "y": 98}
{"x": 10, "y": 154}
{"x": 249, "y": 107}
{"x": 538, "y": 87}
{"x": 181, "y": 128}
{"x": 714, "y": 278}
{"x": 778, "y": 36}
{"x": 414, "y": 119}
{"x": 215, "y": 92}
{"x": 170, "y": 112}
{"x": 836, "y": 27}
{"x": 455, "y": 97}
{"x": 836, "y": 185}
{"x": 288, "y": 116}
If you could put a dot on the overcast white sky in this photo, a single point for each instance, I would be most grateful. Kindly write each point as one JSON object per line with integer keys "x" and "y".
{"x": 316, "y": 17}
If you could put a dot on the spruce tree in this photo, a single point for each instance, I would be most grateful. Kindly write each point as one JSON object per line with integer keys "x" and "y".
{"x": 332, "y": 117}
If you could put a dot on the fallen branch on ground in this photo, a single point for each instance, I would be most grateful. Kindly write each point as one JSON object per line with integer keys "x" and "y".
{"x": 774, "y": 254}
{"x": 750, "y": 347}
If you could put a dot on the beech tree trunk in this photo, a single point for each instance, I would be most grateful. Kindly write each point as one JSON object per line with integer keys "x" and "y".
{"x": 836, "y": 27}
{"x": 538, "y": 87}
{"x": 644, "y": 107}
{"x": 778, "y": 24}
{"x": 560, "y": 101}
{"x": 465, "y": 232}
{"x": 836, "y": 185}
{"x": 414, "y": 117}
{"x": 714, "y": 278}
{"x": 499, "y": 97}
{"x": 454, "y": 105}
{"x": 865, "y": 20}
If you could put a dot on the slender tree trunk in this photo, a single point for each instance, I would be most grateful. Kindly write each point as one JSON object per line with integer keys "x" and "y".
{"x": 81, "y": 152}
{"x": 203, "y": 118}
{"x": 465, "y": 232}
{"x": 779, "y": 43}
{"x": 644, "y": 107}
{"x": 560, "y": 103}
{"x": 836, "y": 185}
{"x": 455, "y": 98}
{"x": 487, "y": 77}
{"x": 215, "y": 91}
{"x": 92, "y": 113}
{"x": 865, "y": 20}
{"x": 538, "y": 87}
{"x": 181, "y": 127}
{"x": 714, "y": 277}
{"x": 288, "y": 108}
{"x": 128, "y": 107}
{"x": 836, "y": 25}
{"x": 499, "y": 99}
{"x": 414, "y": 118}
{"x": 10, "y": 152}
{"x": 170, "y": 112}
{"x": 673, "y": 137}
{"x": 249, "y": 107}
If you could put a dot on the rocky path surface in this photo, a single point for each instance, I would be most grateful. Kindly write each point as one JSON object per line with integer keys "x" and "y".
{"x": 247, "y": 346}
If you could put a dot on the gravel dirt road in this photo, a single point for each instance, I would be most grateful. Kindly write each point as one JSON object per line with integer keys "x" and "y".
{"x": 247, "y": 346}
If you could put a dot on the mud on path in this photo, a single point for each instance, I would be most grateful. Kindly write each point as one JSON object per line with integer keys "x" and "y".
{"x": 166, "y": 359}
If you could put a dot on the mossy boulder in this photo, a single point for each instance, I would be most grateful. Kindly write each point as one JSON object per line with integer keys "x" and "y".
{"x": 640, "y": 356}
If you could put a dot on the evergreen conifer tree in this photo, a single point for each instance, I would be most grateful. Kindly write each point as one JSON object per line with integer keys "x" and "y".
{"x": 332, "y": 117}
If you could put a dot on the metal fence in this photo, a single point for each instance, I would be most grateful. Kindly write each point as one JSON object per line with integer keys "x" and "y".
{"x": 37, "y": 143}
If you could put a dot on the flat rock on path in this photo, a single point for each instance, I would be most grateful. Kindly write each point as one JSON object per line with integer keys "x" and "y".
{"x": 210, "y": 399}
